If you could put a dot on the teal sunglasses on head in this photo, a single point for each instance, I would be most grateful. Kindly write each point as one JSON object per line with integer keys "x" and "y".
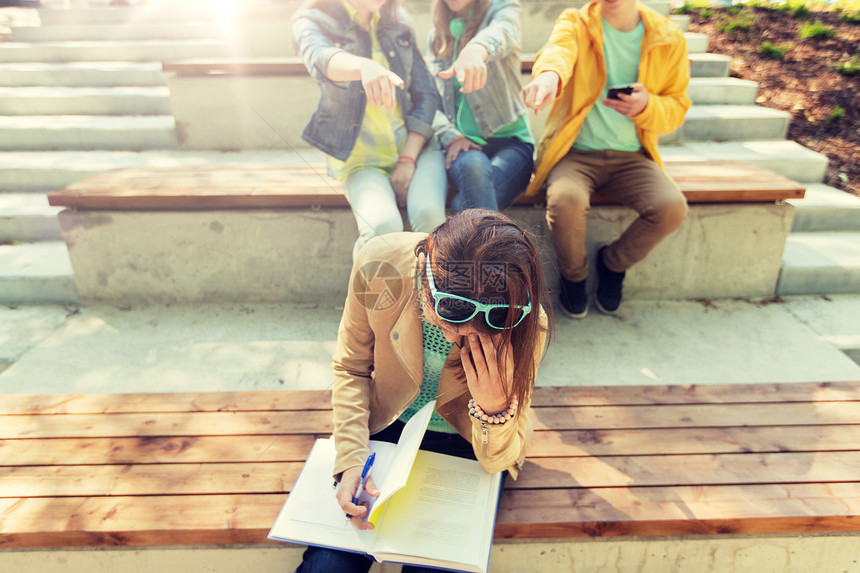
{"x": 459, "y": 309}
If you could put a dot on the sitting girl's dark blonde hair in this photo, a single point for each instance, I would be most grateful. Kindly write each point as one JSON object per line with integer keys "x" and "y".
{"x": 486, "y": 256}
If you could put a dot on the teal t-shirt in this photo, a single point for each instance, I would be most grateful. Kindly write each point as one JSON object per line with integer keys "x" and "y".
{"x": 467, "y": 125}
{"x": 605, "y": 128}
{"x": 436, "y": 350}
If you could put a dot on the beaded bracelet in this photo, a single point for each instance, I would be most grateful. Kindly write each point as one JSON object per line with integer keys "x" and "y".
{"x": 406, "y": 159}
{"x": 477, "y": 412}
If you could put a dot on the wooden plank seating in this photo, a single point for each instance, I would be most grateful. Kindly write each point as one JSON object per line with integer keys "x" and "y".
{"x": 214, "y": 468}
{"x": 224, "y": 187}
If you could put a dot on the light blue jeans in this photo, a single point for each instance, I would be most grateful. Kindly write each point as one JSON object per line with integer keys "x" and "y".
{"x": 375, "y": 209}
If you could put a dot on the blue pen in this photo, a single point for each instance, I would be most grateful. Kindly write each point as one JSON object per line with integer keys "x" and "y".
{"x": 364, "y": 473}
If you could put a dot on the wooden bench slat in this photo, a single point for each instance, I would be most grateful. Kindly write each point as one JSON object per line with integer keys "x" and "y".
{"x": 547, "y": 443}
{"x": 158, "y": 450}
{"x": 165, "y": 424}
{"x": 173, "y": 520}
{"x": 249, "y": 401}
{"x": 572, "y": 443}
{"x": 131, "y": 520}
{"x": 691, "y": 470}
{"x": 538, "y": 473}
{"x": 300, "y": 400}
{"x": 149, "y": 479}
{"x": 679, "y": 510}
{"x": 315, "y": 422}
{"x": 283, "y": 186}
{"x": 696, "y": 415}
{"x": 185, "y": 449}
{"x": 695, "y": 394}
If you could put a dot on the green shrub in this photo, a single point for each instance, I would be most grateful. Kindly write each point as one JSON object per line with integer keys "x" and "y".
{"x": 849, "y": 68}
{"x": 799, "y": 10}
{"x": 850, "y": 17}
{"x": 836, "y": 114}
{"x": 774, "y": 51}
{"x": 737, "y": 25}
{"x": 816, "y": 30}
{"x": 693, "y": 7}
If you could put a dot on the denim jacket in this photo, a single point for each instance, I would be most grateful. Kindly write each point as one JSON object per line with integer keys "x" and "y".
{"x": 500, "y": 102}
{"x": 327, "y": 29}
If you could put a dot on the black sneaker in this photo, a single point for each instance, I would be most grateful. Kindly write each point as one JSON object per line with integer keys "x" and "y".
{"x": 609, "y": 284}
{"x": 573, "y": 298}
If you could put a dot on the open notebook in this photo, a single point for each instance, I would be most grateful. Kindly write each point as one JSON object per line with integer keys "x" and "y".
{"x": 433, "y": 509}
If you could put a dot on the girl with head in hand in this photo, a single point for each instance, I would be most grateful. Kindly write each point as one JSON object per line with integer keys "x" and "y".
{"x": 484, "y": 129}
{"x": 465, "y": 326}
{"x": 375, "y": 113}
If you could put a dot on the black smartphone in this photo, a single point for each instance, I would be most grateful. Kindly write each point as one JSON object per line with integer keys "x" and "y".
{"x": 615, "y": 90}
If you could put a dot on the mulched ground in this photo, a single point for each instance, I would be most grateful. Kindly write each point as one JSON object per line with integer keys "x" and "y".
{"x": 805, "y": 83}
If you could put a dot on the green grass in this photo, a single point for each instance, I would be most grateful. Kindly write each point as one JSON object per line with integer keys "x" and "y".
{"x": 700, "y": 7}
{"x": 774, "y": 51}
{"x": 849, "y": 68}
{"x": 836, "y": 114}
{"x": 850, "y": 17}
{"x": 740, "y": 24}
{"x": 815, "y": 31}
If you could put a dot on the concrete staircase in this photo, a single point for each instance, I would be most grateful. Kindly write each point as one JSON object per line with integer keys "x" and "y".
{"x": 81, "y": 93}
{"x": 66, "y": 113}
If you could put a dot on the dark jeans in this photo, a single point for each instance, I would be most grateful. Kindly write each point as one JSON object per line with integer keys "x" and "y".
{"x": 323, "y": 560}
{"x": 492, "y": 177}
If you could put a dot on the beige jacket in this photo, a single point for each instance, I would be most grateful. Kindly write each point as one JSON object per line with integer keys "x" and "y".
{"x": 378, "y": 363}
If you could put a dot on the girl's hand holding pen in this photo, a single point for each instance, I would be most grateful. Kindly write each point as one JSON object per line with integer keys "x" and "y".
{"x": 346, "y": 490}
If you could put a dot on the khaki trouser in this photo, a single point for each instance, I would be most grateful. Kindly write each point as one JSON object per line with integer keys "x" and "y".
{"x": 632, "y": 179}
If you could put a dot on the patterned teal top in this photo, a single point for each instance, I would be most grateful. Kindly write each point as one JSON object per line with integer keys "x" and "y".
{"x": 436, "y": 350}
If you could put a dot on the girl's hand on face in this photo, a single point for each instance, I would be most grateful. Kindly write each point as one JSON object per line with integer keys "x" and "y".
{"x": 487, "y": 384}
{"x": 380, "y": 84}
{"x": 629, "y": 105}
{"x": 456, "y": 147}
{"x": 401, "y": 177}
{"x": 347, "y": 488}
{"x": 541, "y": 91}
{"x": 470, "y": 69}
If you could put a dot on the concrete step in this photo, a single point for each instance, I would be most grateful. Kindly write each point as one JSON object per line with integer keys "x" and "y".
{"x": 214, "y": 11}
{"x": 27, "y": 217}
{"x": 112, "y": 32}
{"x": 153, "y": 50}
{"x": 42, "y": 100}
{"x": 43, "y": 132}
{"x": 682, "y": 20}
{"x": 125, "y": 15}
{"x": 733, "y": 122}
{"x": 44, "y": 171}
{"x": 709, "y": 65}
{"x": 820, "y": 263}
{"x": 787, "y": 158}
{"x": 36, "y": 273}
{"x": 82, "y": 74}
{"x": 722, "y": 91}
{"x": 696, "y": 43}
{"x": 825, "y": 208}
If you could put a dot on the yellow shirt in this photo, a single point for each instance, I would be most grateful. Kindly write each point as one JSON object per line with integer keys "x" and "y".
{"x": 383, "y": 131}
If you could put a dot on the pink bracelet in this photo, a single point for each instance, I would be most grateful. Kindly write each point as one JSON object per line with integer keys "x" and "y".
{"x": 477, "y": 412}
{"x": 406, "y": 159}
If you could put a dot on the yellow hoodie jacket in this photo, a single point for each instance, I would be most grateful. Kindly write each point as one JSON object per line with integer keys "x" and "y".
{"x": 575, "y": 52}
